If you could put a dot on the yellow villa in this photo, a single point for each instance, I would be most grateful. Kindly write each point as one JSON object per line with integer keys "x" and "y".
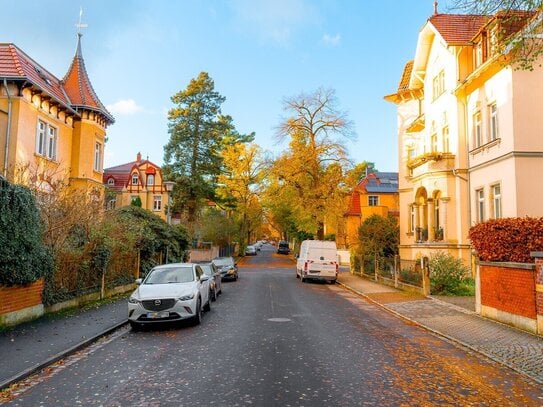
{"x": 468, "y": 133}
{"x": 51, "y": 130}
{"x": 137, "y": 179}
{"x": 375, "y": 194}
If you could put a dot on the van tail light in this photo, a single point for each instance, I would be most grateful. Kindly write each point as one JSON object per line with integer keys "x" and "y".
{"x": 305, "y": 266}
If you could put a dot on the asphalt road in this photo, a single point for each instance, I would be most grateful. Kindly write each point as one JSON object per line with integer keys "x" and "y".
{"x": 270, "y": 340}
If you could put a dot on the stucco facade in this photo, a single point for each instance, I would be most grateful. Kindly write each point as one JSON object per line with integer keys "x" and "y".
{"x": 469, "y": 148}
{"x": 375, "y": 194}
{"x": 137, "y": 179}
{"x": 52, "y": 130}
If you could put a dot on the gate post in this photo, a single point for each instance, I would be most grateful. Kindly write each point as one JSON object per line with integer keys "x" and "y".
{"x": 539, "y": 289}
{"x": 425, "y": 270}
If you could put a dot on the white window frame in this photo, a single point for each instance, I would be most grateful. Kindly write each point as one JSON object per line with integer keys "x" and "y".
{"x": 477, "y": 129}
{"x": 98, "y": 156}
{"x": 157, "y": 203}
{"x": 433, "y": 142}
{"x": 438, "y": 84}
{"x": 150, "y": 179}
{"x": 111, "y": 182}
{"x": 480, "y": 197}
{"x": 373, "y": 200}
{"x": 493, "y": 121}
{"x": 46, "y": 140}
{"x": 446, "y": 139}
{"x": 135, "y": 179}
{"x": 496, "y": 200}
{"x": 412, "y": 218}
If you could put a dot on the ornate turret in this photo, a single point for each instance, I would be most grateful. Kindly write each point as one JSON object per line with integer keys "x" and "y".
{"x": 79, "y": 89}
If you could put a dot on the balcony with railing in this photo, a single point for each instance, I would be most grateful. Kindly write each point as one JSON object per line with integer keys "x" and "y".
{"x": 431, "y": 162}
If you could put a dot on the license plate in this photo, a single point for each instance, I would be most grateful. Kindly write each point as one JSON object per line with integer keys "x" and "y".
{"x": 155, "y": 315}
{"x": 314, "y": 271}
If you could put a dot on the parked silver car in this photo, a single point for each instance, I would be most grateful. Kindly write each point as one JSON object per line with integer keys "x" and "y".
{"x": 170, "y": 292}
{"x": 215, "y": 277}
{"x": 227, "y": 267}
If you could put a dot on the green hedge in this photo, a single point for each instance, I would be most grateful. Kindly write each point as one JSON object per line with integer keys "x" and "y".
{"x": 23, "y": 257}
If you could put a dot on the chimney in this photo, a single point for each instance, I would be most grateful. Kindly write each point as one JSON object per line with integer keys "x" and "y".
{"x": 138, "y": 157}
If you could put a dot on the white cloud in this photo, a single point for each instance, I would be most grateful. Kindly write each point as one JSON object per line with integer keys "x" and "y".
{"x": 332, "y": 40}
{"x": 125, "y": 106}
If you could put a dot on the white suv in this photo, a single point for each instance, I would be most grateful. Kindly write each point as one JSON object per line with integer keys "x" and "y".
{"x": 170, "y": 292}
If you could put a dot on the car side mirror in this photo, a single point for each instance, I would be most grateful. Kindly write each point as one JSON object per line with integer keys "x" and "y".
{"x": 296, "y": 256}
{"x": 138, "y": 281}
{"x": 204, "y": 278}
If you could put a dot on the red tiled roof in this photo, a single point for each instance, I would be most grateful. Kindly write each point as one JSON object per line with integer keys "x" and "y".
{"x": 406, "y": 76}
{"x": 458, "y": 29}
{"x": 15, "y": 64}
{"x": 354, "y": 204}
{"x": 73, "y": 92}
{"x": 122, "y": 173}
{"x": 79, "y": 88}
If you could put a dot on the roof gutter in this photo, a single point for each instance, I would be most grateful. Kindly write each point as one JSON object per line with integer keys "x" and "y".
{"x": 8, "y": 131}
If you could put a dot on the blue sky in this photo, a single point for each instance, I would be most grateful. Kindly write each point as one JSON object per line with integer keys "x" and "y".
{"x": 138, "y": 53}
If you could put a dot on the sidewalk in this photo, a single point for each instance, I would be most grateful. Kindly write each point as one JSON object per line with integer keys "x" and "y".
{"x": 516, "y": 349}
{"x": 26, "y": 348}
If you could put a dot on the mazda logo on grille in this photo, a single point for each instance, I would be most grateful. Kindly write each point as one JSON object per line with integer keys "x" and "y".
{"x": 158, "y": 302}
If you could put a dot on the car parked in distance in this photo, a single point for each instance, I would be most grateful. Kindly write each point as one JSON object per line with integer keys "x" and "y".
{"x": 282, "y": 247}
{"x": 170, "y": 292}
{"x": 227, "y": 267}
{"x": 250, "y": 250}
{"x": 215, "y": 277}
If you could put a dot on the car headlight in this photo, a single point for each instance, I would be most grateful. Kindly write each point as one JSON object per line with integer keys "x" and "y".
{"x": 133, "y": 300}
{"x": 187, "y": 297}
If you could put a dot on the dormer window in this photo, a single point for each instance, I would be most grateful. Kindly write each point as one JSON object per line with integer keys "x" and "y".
{"x": 111, "y": 182}
{"x": 135, "y": 178}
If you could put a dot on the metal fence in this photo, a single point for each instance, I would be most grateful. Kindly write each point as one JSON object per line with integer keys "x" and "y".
{"x": 75, "y": 275}
{"x": 393, "y": 270}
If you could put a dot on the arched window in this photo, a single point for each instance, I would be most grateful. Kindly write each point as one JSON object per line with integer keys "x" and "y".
{"x": 111, "y": 182}
{"x": 150, "y": 179}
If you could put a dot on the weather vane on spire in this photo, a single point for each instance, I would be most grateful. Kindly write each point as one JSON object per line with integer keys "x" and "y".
{"x": 80, "y": 25}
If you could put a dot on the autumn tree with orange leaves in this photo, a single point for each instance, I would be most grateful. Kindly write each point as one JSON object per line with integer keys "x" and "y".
{"x": 311, "y": 172}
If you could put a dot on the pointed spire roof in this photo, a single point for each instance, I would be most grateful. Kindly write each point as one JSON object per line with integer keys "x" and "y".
{"x": 78, "y": 87}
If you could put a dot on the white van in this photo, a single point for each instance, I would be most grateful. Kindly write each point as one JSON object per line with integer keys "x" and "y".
{"x": 317, "y": 260}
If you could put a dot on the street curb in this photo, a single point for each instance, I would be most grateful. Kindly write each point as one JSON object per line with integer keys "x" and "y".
{"x": 55, "y": 358}
{"x": 441, "y": 334}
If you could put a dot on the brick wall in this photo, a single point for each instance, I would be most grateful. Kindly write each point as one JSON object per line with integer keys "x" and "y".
{"x": 509, "y": 289}
{"x": 16, "y": 298}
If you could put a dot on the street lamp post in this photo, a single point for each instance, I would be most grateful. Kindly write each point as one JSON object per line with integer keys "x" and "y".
{"x": 169, "y": 188}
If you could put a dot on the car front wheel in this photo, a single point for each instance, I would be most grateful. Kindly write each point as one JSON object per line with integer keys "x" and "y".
{"x": 207, "y": 307}
{"x": 197, "y": 319}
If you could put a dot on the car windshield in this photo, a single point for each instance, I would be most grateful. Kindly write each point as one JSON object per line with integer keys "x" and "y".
{"x": 170, "y": 275}
{"x": 227, "y": 261}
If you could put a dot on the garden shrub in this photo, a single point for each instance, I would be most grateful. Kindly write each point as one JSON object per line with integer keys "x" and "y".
{"x": 449, "y": 276}
{"x": 508, "y": 239}
{"x": 23, "y": 257}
